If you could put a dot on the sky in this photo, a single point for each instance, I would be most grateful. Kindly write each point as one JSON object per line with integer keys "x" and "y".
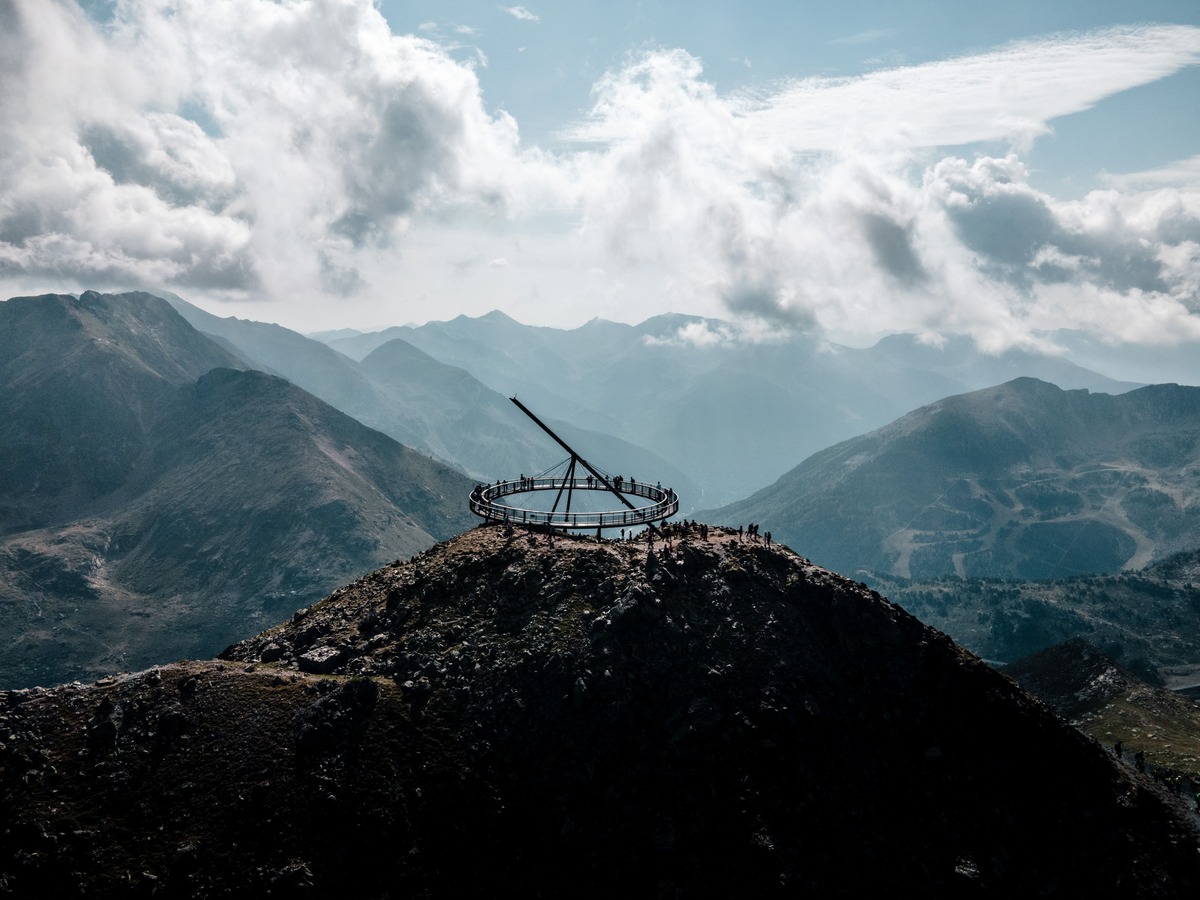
{"x": 1014, "y": 172}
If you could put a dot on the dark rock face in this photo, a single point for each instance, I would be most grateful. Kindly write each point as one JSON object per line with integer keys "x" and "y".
{"x": 714, "y": 719}
{"x": 1073, "y": 677}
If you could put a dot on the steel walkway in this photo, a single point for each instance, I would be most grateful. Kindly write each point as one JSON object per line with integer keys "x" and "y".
{"x": 487, "y": 502}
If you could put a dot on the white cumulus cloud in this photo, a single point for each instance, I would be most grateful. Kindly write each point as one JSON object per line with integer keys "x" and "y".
{"x": 298, "y": 152}
{"x": 237, "y": 145}
{"x": 841, "y": 204}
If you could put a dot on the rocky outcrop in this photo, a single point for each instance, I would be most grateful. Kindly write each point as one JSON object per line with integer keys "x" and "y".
{"x": 1158, "y": 729}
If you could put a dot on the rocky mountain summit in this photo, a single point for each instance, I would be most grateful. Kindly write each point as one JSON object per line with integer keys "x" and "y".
{"x": 507, "y": 714}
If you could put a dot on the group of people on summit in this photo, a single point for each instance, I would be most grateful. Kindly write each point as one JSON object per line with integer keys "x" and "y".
{"x": 752, "y": 533}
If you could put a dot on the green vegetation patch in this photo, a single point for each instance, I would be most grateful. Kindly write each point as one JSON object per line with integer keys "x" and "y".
{"x": 1063, "y": 549}
{"x": 1047, "y": 501}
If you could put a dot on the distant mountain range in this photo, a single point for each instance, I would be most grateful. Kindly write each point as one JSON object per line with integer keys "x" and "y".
{"x": 158, "y": 501}
{"x": 175, "y": 488}
{"x": 430, "y": 405}
{"x": 733, "y": 414}
{"x": 701, "y": 713}
{"x": 1022, "y": 480}
{"x": 104, "y": 397}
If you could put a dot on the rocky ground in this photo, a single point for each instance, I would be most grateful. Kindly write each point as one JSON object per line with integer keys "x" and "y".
{"x": 1156, "y": 729}
{"x": 511, "y": 713}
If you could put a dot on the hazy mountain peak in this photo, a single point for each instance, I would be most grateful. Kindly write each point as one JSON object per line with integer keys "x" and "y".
{"x": 139, "y": 328}
{"x": 668, "y": 324}
{"x": 496, "y": 315}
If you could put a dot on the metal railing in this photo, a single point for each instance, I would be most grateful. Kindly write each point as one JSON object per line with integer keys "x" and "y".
{"x": 664, "y": 503}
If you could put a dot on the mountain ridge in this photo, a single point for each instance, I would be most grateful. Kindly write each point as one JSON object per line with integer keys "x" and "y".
{"x": 1019, "y": 480}
{"x": 84, "y": 380}
{"x": 159, "y": 508}
{"x": 1150, "y": 728}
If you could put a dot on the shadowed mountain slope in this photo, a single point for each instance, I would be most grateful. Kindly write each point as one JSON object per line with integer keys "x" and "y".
{"x": 184, "y": 510}
{"x": 584, "y": 719}
{"x": 266, "y": 484}
{"x": 448, "y": 411}
{"x": 1021, "y": 480}
{"x": 308, "y": 364}
{"x": 82, "y": 381}
{"x": 1181, "y": 567}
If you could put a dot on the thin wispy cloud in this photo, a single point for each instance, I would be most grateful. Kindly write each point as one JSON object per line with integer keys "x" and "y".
{"x": 864, "y": 37}
{"x": 1180, "y": 173}
{"x": 520, "y": 12}
{"x": 1009, "y": 94}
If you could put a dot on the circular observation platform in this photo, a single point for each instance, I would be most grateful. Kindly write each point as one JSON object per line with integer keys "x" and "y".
{"x": 488, "y": 501}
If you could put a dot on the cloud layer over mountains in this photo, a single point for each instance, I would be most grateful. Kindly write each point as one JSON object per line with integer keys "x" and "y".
{"x": 301, "y": 153}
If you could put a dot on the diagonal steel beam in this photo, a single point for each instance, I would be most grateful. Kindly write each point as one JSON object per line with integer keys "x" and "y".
{"x": 574, "y": 456}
